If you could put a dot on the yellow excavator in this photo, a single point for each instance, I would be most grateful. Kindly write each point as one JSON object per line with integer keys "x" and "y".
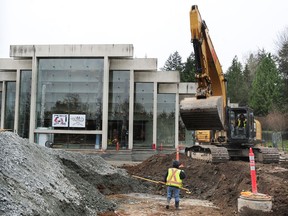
{"x": 228, "y": 132}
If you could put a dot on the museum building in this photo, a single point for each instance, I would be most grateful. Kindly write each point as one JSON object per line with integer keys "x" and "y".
{"x": 91, "y": 97}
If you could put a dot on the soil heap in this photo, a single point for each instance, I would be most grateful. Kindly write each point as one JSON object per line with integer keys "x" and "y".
{"x": 220, "y": 183}
{"x": 36, "y": 180}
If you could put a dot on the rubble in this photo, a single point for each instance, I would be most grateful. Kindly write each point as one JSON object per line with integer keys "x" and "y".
{"x": 36, "y": 180}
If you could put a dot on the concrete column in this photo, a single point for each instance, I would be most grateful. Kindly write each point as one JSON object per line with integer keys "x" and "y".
{"x": 33, "y": 98}
{"x": 105, "y": 103}
{"x": 155, "y": 114}
{"x": 16, "y": 114}
{"x": 177, "y": 116}
{"x": 131, "y": 110}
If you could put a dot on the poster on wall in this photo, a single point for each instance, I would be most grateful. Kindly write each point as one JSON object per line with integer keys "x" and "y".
{"x": 60, "y": 120}
{"x": 77, "y": 121}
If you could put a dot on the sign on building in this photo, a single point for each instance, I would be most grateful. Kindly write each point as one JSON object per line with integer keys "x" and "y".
{"x": 77, "y": 121}
{"x": 60, "y": 120}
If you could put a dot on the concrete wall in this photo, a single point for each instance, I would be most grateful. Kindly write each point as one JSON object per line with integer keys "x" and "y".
{"x": 112, "y": 50}
{"x": 137, "y": 64}
{"x": 157, "y": 76}
{"x": 7, "y": 76}
{"x": 187, "y": 88}
{"x": 12, "y": 64}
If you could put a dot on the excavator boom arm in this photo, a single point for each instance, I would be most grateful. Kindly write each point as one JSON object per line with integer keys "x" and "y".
{"x": 206, "y": 111}
{"x": 208, "y": 68}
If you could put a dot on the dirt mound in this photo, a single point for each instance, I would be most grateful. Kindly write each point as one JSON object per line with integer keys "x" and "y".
{"x": 220, "y": 183}
{"x": 35, "y": 180}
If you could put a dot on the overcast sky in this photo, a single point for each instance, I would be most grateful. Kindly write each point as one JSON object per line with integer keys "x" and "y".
{"x": 156, "y": 28}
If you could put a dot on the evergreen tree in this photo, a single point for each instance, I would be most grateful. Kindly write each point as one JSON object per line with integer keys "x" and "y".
{"x": 267, "y": 86}
{"x": 251, "y": 66}
{"x": 247, "y": 84}
{"x": 188, "y": 72}
{"x": 174, "y": 63}
{"x": 235, "y": 83}
{"x": 283, "y": 60}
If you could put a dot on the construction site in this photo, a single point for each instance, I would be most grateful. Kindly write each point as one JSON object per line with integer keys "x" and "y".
{"x": 91, "y": 130}
{"x": 37, "y": 180}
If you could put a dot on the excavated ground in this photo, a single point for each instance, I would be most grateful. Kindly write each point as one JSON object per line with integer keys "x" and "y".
{"x": 35, "y": 180}
{"x": 221, "y": 183}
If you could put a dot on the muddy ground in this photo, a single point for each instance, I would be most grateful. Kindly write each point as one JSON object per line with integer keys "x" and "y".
{"x": 36, "y": 180}
{"x": 220, "y": 183}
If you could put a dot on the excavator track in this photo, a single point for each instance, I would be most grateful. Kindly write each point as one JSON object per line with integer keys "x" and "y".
{"x": 209, "y": 153}
{"x": 266, "y": 155}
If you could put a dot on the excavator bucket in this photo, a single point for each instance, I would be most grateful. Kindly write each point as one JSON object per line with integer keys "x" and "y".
{"x": 202, "y": 114}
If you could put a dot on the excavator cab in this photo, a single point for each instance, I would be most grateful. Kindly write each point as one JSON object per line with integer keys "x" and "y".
{"x": 241, "y": 125}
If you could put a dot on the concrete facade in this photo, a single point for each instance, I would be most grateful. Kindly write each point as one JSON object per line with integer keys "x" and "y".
{"x": 116, "y": 57}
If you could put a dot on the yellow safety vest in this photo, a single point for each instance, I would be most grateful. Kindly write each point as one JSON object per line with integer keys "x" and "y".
{"x": 173, "y": 178}
{"x": 244, "y": 123}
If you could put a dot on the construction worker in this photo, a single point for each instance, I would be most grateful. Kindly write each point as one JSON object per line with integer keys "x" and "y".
{"x": 241, "y": 125}
{"x": 242, "y": 121}
{"x": 173, "y": 180}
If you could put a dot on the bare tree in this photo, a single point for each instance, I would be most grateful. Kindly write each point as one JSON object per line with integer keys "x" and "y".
{"x": 282, "y": 39}
{"x": 282, "y": 45}
{"x": 275, "y": 121}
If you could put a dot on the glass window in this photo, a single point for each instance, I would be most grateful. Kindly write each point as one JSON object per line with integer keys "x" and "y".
{"x": 143, "y": 115}
{"x": 118, "y": 109}
{"x": 24, "y": 103}
{"x": 10, "y": 105}
{"x": 166, "y": 120}
{"x": 70, "y": 86}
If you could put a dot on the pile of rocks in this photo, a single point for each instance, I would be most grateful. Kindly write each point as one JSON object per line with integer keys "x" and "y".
{"x": 36, "y": 180}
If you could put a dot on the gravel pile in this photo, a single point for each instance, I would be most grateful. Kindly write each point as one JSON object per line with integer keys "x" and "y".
{"x": 36, "y": 180}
